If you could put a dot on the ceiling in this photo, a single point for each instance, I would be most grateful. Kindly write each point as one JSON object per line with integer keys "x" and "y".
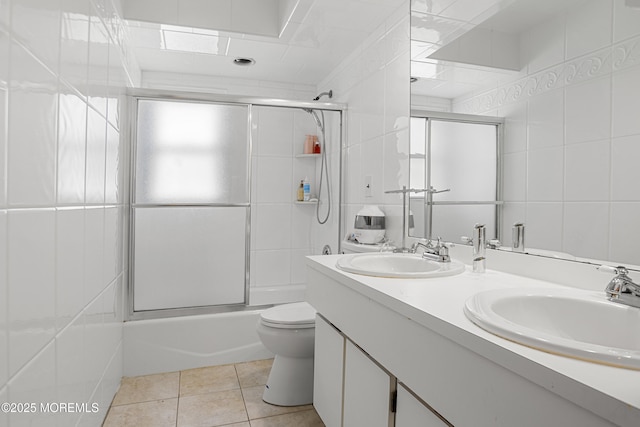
{"x": 312, "y": 37}
{"x": 462, "y": 46}
{"x": 316, "y": 36}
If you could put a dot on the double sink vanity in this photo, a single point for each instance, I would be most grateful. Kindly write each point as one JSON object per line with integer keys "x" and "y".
{"x": 405, "y": 341}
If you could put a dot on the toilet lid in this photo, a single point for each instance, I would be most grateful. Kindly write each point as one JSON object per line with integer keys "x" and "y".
{"x": 298, "y": 314}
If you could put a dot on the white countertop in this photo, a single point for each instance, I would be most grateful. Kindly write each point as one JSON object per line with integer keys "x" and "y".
{"x": 612, "y": 393}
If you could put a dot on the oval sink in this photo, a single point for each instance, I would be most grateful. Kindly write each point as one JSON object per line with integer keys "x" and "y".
{"x": 569, "y": 322}
{"x": 400, "y": 265}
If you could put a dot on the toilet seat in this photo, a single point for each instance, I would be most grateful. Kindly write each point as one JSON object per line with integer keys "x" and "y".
{"x": 299, "y": 315}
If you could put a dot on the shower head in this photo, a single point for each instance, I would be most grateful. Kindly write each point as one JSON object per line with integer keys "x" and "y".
{"x": 329, "y": 94}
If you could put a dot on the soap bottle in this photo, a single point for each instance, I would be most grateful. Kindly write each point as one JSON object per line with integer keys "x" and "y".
{"x": 306, "y": 187}
{"x": 316, "y": 146}
{"x": 300, "y": 196}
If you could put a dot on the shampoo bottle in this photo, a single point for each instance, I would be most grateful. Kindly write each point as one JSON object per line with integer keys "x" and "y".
{"x": 300, "y": 196}
{"x": 306, "y": 187}
{"x": 308, "y": 145}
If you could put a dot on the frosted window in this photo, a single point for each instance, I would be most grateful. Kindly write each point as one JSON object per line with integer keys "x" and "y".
{"x": 191, "y": 153}
{"x": 463, "y": 158}
{"x": 454, "y": 221}
{"x": 189, "y": 256}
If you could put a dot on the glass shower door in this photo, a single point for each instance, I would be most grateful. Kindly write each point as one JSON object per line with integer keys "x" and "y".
{"x": 190, "y": 204}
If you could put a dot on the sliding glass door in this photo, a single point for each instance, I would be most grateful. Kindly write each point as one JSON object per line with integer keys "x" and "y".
{"x": 190, "y": 204}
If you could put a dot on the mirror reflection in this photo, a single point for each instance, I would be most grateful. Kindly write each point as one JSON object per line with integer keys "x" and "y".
{"x": 563, "y": 76}
{"x": 455, "y": 161}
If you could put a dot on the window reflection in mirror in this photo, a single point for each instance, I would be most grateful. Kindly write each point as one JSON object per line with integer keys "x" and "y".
{"x": 456, "y": 158}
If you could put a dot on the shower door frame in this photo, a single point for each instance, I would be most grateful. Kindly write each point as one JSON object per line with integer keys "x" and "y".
{"x": 131, "y": 121}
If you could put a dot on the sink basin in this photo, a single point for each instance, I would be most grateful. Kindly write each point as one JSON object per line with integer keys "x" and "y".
{"x": 570, "y": 322}
{"x": 400, "y": 265}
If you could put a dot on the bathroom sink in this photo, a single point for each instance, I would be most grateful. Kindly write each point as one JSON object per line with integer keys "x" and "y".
{"x": 400, "y": 265}
{"x": 570, "y": 322}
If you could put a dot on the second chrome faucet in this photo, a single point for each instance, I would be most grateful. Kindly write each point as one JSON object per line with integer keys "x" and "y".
{"x": 479, "y": 243}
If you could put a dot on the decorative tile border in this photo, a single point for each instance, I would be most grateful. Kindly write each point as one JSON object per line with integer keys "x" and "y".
{"x": 599, "y": 63}
{"x": 626, "y": 54}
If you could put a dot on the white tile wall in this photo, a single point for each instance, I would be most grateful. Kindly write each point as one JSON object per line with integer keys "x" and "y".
{"x": 514, "y": 166}
{"x": 625, "y": 231}
{"x": 582, "y": 36}
{"x": 61, "y": 264}
{"x": 31, "y": 273}
{"x": 587, "y": 171}
{"x": 588, "y": 111}
{"x": 70, "y": 253}
{"x": 626, "y": 21}
{"x": 31, "y": 137}
{"x": 4, "y": 396}
{"x": 581, "y": 216}
{"x": 625, "y": 174}
{"x": 545, "y": 120}
{"x": 283, "y": 232}
{"x": 543, "y": 46}
{"x": 35, "y": 383}
{"x": 4, "y": 87}
{"x": 579, "y": 98}
{"x": 544, "y": 225}
{"x": 72, "y": 117}
{"x": 4, "y": 321}
{"x": 545, "y": 174}
{"x": 378, "y": 118}
{"x": 515, "y": 131}
{"x": 626, "y": 100}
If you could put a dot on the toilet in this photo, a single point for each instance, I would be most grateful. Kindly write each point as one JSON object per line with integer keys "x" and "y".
{"x": 288, "y": 331}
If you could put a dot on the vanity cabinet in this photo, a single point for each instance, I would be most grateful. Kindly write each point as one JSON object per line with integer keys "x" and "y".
{"x": 411, "y": 412}
{"x": 353, "y": 390}
{"x": 368, "y": 391}
{"x": 349, "y": 388}
{"x": 327, "y": 372}
{"x": 447, "y": 373}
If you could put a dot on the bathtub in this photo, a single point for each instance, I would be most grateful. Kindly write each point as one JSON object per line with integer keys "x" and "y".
{"x": 176, "y": 343}
{"x": 173, "y": 344}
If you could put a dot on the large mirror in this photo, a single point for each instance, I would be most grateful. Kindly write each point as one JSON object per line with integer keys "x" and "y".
{"x": 563, "y": 76}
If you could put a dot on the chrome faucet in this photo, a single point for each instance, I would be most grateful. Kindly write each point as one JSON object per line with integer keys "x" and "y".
{"x": 621, "y": 289}
{"x": 479, "y": 248}
{"x": 437, "y": 252}
{"x": 480, "y": 244}
{"x": 517, "y": 237}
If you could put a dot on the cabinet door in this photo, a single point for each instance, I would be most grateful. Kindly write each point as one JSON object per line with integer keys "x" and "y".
{"x": 327, "y": 375}
{"x": 367, "y": 391}
{"x": 410, "y": 412}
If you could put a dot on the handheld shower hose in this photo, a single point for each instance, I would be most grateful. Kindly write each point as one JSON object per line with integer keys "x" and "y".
{"x": 324, "y": 164}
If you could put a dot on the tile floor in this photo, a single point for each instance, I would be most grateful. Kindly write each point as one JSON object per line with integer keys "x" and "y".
{"x": 227, "y": 395}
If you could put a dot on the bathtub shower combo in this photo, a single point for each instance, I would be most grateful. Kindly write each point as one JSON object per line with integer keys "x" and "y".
{"x": 216, "y": 231}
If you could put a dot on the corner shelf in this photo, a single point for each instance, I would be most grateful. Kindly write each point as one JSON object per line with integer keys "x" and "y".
{"x": 311, "y": 202}
{"x": 302, "y": 156}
